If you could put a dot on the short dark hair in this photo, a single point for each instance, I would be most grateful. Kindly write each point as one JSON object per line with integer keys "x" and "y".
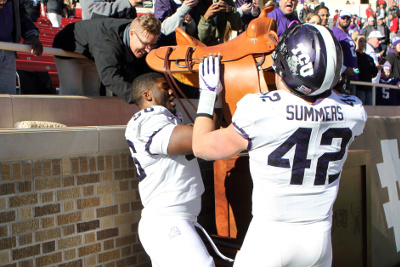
{"x": 318, "y": 8}
{"x": 143, "y": 83}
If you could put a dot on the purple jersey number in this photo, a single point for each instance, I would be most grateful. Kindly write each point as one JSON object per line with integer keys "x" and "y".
{"x": 301, "y": 138}
{"x": 139, "y": 168}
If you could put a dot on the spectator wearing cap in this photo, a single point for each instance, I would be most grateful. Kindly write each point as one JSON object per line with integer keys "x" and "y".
{"x": 374, "y": 40}
{"x": 392, "y": 65}
{"x": 394, "y": 23}
{"x": 284, "y": 15}
{"x": 384, "y": 30}
{"x": 370, "y": 27}
{"x": 349, "y": 50}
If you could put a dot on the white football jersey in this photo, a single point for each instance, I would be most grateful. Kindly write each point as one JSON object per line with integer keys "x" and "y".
{"x": 297, "y": 151}
{"x": 168, "y": 184}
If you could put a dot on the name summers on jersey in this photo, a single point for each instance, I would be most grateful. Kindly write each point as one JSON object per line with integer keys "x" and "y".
{"x": 306, "y": 113}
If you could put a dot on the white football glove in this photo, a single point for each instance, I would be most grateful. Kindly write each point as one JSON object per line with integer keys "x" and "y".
{"x": 210, "y": 85}
{"x": 209, "y": 74}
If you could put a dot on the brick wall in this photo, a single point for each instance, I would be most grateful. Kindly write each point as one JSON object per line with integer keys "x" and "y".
{"x": 80, "y": 210}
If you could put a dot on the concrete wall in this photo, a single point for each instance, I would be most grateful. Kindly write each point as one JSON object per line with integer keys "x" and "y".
{"x": 70, "y": 110}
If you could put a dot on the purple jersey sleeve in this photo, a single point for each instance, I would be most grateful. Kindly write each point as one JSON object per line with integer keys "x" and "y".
{"x": 282, "y": 21}
{"x": 349, "y": 49}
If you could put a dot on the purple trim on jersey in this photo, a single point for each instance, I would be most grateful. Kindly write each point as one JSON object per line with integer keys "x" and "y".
{"x": 245, "y": 135}
{"x": 147, "y": 146}
{"x": 349, "y": 56}
{"x": 282, "y": 22}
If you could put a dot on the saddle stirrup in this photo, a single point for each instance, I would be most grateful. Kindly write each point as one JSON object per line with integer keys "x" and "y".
{"x": 172, "y": 83}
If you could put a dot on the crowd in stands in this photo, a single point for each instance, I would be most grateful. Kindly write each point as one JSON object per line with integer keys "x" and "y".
{"x": 369, "y": 43}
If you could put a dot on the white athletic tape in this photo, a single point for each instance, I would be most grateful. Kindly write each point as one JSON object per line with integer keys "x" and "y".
{"x": 206, "y": 102}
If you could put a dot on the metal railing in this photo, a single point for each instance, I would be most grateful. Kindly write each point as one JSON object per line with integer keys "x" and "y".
{"x": 46, "y": 50}
{"x": 374, "y": 85}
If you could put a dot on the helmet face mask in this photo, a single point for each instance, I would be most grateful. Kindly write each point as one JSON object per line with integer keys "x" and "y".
{"x": 309, "y": 59}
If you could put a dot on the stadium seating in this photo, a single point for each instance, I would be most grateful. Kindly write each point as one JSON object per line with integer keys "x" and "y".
{"x": 27, "y": 61}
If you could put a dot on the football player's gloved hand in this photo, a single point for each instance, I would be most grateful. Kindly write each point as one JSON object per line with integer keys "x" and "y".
{"x": 209, "y": 74}
{"x": 210, "y": 85}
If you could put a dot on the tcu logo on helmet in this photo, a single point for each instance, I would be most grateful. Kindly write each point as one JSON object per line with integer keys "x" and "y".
{"x": 302, "y": 59}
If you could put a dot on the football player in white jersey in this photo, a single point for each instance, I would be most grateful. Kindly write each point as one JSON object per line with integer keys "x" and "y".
{"x": 170, "y": 183}
{"x": 297, "y": 138}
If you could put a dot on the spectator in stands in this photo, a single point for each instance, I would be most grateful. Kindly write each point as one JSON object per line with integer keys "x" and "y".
{"x": 15, "y": 24}
{"x": 381, "y": 11}
{"x": 33, "y": 9}
{"x": 367, "y": 70}
{"x": 112, "y": 47}
{"x": 369, "y": 28}
{"x": 323, "y": 12}
{"x": 357, "y": 20}
{"x": 173, "y": 14}
{"x": 111, "y": 8}
{"x": 393, "y": 59}
{"x": 394, "y": 8}
{"x": 216, "y": 20}
{"x": 54, "y": 10}
{"x": 379, "y": 3}
{"x": 394, "y": 23}
{"x": 303, "y": 13}
{"x": 374, "y": 40}
{"x": 284, "y": 15}
{"x": 349, "y": 53}
{"x": 353, "y": 27}
{"x": 312, "y": 4}
{"x": 248, "y": 10}
{"x": 369, "y": 11}
{"x": 335, "y": 18}
{"x": 384, "y": 30}
{"x": 313, "y": 19}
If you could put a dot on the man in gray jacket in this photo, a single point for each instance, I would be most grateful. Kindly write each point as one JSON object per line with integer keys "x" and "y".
{"x": 113, "y": 9}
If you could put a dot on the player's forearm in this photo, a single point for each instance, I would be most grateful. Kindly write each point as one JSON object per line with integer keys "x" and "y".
{"x": 202, "y": 144}
{"x": 220, "y": 144}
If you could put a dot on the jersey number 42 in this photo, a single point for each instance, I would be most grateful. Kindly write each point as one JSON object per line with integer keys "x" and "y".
{"x": 301, "y": 139}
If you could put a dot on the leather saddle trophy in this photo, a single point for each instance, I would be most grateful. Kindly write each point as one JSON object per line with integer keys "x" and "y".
{"x": 245, "y": 61}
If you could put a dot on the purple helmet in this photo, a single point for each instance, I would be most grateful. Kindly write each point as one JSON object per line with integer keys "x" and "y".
{"x": 308, "y": 58}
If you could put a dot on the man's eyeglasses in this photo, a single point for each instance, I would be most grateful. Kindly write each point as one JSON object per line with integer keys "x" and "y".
{"x": 346, "y": 18}
{"x": 145, "y": 44}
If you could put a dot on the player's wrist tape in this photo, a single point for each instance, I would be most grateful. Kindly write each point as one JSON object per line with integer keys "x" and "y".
{"x": 206, "y": 103}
